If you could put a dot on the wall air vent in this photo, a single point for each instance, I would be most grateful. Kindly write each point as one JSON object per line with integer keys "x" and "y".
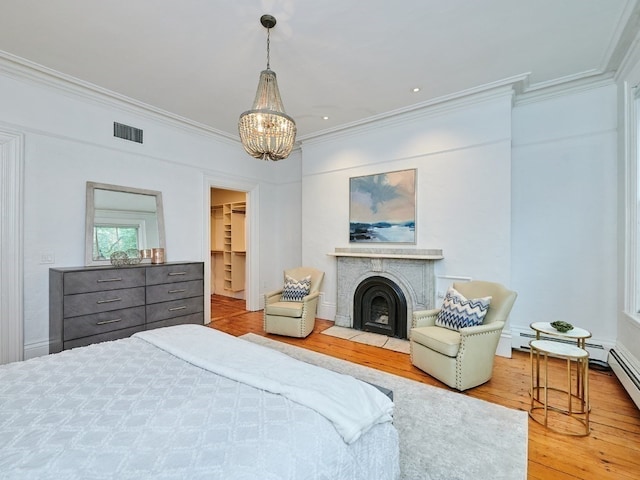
{"x": 126, "y": 132}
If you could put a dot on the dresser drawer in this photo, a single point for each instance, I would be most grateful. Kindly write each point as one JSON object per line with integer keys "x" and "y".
{"x": 197, "y": 318}
{"x": 86, "y": 325}
{"x": 177, "y": 308}
{"x": 103, "y": 279}
{"x": 103, "y": 337}
{"x": 87, "y": 303}
{"x": 174, "y": 273}
{"x": 174, "y": 291}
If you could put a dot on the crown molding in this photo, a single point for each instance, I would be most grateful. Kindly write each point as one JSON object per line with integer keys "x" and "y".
{"x": 563, "y": 86}
{"x": 22, "y": 69}
{"x": 630, "y": 64}
{"x": 519, "y": 85}
{"x": 625, "y": 39}
{"x": 436, "y": 106}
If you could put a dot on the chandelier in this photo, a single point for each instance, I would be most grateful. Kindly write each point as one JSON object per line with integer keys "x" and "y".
{"x": 266, "y": 131}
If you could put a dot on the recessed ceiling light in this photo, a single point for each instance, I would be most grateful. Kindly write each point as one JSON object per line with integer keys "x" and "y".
{"x": 415, "y": 89}
{"x": 325, "y": 118}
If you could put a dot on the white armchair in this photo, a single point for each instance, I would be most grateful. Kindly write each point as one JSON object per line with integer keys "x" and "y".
{"x": 462, "y": 359}
{"x": 293, "y": 318}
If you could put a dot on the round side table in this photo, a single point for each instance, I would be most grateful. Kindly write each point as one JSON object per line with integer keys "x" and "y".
{"x": 576, "y": 404}
{"x": 579, "y": 335}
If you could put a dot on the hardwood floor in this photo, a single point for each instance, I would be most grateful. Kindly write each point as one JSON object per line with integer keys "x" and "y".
{"x": 611, "y": 451}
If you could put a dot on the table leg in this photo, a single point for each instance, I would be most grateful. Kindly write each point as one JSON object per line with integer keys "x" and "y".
{"x": 579, "y": 387}
{"x": 531, "y": 382}
{"x": 585, "y": 397}
{"x": 569, "y": 395}
{"x": 537, "y": 370}
{"x": 546, "y": 388}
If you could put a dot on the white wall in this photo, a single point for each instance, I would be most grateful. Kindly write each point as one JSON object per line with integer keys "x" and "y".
{"x": 462, "y": 154}
{"x": 69, "y": 141}
{"x": 564, "y": 212}
{"x": 628, "y": 339}
{"x": 279, "y": 227}
{"x": 534, "y": 209}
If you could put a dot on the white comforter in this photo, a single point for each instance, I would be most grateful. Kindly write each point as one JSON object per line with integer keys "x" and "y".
{"x": 127, "y": 409}
{"x": 351, "y": 405}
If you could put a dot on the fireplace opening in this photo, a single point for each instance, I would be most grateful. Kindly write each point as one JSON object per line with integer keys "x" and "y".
{"x": 379, "y": 306}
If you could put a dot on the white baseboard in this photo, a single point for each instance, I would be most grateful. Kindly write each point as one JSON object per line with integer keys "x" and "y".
{"x": 326, "y": 311}
{"x": 504, "y": 345}
{"x": 36, "y": 349}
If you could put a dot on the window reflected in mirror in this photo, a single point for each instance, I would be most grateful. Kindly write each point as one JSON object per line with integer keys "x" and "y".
{"x": 108, "y": 239}
{"x": 121, "y": 219}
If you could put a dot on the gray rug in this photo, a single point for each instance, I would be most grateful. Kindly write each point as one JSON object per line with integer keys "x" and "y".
{"x": 443, "y": 435}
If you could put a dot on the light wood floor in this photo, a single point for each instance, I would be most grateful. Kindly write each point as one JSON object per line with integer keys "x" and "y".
{"x": 611, "y": 451}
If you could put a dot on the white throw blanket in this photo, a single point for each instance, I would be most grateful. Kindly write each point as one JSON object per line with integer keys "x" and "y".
{"x": 351, "y": 405}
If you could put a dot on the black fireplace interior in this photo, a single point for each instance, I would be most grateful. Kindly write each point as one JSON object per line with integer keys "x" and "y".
{"x": 379, "y": 306}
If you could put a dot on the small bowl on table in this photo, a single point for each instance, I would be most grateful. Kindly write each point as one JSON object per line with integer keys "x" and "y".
{"x": 562, "y": 327}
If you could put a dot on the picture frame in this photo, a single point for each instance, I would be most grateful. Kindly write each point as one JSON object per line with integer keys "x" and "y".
{"x": 382, "y": 207}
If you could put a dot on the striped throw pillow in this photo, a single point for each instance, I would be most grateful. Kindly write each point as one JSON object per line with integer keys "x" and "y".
{"x": 458, "y": 312}
{"x": 295, "y": 290}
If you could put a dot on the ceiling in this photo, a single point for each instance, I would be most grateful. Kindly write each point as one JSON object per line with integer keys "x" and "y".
{"x": 348, "y": 60}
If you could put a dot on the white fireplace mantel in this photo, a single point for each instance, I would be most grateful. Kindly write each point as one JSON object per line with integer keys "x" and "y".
{"x": 406, "y": 253}
{"x": 411, "y": 269}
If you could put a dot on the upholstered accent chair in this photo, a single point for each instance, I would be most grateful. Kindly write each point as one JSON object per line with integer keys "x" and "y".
{"x": 291, "y": 310}
{"x": 461, "y": 358}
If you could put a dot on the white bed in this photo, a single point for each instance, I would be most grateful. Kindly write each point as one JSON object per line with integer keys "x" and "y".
{"x": 150, "y": 406}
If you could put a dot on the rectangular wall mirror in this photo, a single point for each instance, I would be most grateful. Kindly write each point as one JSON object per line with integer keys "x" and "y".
{"x": 120, "y": 219}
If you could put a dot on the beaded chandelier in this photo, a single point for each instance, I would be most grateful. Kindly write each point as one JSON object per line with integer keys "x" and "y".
{"x": 266, "y": 131}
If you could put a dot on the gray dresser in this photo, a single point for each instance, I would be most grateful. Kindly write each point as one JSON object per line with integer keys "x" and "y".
{"x": 96, "y": 304}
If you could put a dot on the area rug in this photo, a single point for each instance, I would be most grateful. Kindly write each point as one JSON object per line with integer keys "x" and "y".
{"x": 443, "y": 435}
{"x": 368, "y": 338}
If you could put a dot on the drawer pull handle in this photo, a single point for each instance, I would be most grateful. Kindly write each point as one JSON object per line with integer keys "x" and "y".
{"x": 109, "y": 301}
{"x": 179, "y": 290}
{"x": 177, "y": 273}
{"x": 105, "y": 322}
{"x": 103, "y": 280}
{"x": 177, "y": 308}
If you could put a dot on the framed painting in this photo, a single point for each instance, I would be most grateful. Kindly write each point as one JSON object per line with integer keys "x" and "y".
{"x": 382, "y": 207}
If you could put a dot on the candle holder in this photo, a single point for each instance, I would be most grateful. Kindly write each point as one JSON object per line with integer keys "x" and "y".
{"x": 157, "y": 255}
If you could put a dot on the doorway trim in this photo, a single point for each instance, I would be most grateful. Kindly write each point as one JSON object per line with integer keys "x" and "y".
{"x": 11, "y": 246}
{"x": 252, "y": 268}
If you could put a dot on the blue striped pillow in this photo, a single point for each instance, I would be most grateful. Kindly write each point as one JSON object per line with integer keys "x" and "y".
{"x": 457, "y": 312}
{"x": 295, "y": 290}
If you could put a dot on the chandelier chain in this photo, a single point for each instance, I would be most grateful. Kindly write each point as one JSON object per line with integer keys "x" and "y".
{"x": 268, "y": 45}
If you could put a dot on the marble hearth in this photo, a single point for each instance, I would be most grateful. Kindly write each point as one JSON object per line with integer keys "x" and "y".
{"x": 410, "y": 269}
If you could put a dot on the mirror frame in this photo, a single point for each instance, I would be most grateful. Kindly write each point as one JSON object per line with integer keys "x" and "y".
{"x": 90, "y": 216}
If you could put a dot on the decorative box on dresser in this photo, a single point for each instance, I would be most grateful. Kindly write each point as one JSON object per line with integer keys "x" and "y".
{"x": 95, "y": 304}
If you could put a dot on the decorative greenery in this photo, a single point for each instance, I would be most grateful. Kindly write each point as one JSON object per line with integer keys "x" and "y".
{"x": 130, "y": 257}
{"x": 562, "y": 327}
{"x": 118, "y": 258}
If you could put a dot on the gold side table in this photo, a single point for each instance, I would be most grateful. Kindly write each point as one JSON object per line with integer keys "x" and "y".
{"x": 577, "y": 334}
{"x": 576, "y": 408}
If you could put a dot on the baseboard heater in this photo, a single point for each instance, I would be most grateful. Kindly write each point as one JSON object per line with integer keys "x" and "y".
{"x": 626, "y": 374}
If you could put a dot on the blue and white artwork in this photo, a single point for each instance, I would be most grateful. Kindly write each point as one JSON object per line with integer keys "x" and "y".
{"x": 383, "y": 207}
